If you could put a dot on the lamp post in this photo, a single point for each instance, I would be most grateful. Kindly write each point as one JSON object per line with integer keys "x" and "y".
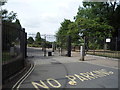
{"x": 1, "y": 3}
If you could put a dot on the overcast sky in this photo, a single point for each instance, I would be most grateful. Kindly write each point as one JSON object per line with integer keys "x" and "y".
{"x": 43, "y": 16}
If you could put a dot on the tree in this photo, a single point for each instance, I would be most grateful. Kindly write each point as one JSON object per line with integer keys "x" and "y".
{"x": 95, "y": 20}
{"x": 38, "y": 38}
{"x": 64, "y": 27}
{"x": 9, "y": 17}
{"x": 107, "y": 12}
{"x": 74, "y": 33}
{"x": 2, "y": 2}
{"x": 62, "y": 33}
{"x": 10, "y": 26}
{"x": 98, "y": 20}
{"x": 30, "y": 40}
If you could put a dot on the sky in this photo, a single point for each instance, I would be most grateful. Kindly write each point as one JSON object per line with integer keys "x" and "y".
{"x": 43, "y": 16}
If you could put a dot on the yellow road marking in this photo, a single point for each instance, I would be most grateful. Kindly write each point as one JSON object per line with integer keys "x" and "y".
{"x": 72, "y": 78}
{"x": 43, "y": 85}
{"x": 58, "y": 84}
{"x": 81, "y": 77}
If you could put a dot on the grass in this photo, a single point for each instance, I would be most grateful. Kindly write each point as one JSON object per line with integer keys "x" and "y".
{"x": 33, "y": 45}
{"x": 6, "y": 56}
{"x": 107, "y": 53}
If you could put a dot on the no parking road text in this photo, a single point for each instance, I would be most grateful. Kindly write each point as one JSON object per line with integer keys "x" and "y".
{"x": 72, "y": 79}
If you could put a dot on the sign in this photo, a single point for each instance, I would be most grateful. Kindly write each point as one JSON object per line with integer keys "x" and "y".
{"x": 108, "y": 40}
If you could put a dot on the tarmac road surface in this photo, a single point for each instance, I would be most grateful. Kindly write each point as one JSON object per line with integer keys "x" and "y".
{"x": 52, "y": 72}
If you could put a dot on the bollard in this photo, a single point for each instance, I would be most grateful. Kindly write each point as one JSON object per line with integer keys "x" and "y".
{"x": 82, "y": 54}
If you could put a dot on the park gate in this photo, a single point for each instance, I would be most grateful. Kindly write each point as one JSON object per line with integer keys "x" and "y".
{"x": 48, "y": 45}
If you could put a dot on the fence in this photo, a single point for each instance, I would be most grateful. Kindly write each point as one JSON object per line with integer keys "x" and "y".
{"x": 102, "y": 46}
{"x": 93, "y": 45}
{"x": 13, "y": 49}
{"x": 64, "y": 45}
{"x": 108, "y": 47}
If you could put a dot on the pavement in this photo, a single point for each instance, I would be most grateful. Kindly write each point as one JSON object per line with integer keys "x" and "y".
{"x": 75, "y": 57}
{"x": 69, "y": 72}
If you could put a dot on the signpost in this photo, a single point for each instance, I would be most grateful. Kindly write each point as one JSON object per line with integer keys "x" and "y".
{"x": 108, "y": 40}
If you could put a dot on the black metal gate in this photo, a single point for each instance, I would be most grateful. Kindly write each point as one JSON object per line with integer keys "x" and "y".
{"x": 49, "y": 45}
{"x": 13, "y": 49}
{"x": 43, "y": 45}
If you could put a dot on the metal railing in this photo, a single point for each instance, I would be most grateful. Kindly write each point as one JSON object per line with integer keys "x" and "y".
{"x": 100, "y": 47}
{"x": 13, "y": 49}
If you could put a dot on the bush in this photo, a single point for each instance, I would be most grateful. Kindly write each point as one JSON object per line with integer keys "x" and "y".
{"x": 34, "y": 45}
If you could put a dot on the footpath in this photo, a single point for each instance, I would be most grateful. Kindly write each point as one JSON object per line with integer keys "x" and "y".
{"x": 92, "y": 59}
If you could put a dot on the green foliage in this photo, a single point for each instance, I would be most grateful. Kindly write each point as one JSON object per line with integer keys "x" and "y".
{"x": 48, "y": 44}
{"x": 105, "y": 12}
{"x": 9, "y": 17}
{"x": 3, "y": 2}
{"x": 94, "y": 19}
{"x": 63, "y": 32}
{"x": 38, "y": 38}
{"x": 33, "y": 45}
{"x": 10, "y": 29}
{"x": 10, "y": 34}
{"x": 30, "y": 40}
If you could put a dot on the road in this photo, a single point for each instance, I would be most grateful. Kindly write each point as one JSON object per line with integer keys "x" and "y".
{"x": 65, "y": 72}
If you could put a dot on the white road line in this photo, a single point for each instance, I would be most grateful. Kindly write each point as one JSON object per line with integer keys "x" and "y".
{"x": 22, "y": 77}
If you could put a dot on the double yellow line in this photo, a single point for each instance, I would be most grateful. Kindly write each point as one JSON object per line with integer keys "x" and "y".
{"x": 21, "y": 80}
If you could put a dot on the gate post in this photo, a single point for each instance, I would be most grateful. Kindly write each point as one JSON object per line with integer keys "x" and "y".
{"x": 22, "y": 46}
{"x": 25, "y": 45}
{"x": 24, "y": 39}
{"x": 45, "y": 46}
{"x": 0, "y": 52}
{"x": 69, "y": 46}
{"x": 82, "y": 53}
{"x": 53, "y": 46}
